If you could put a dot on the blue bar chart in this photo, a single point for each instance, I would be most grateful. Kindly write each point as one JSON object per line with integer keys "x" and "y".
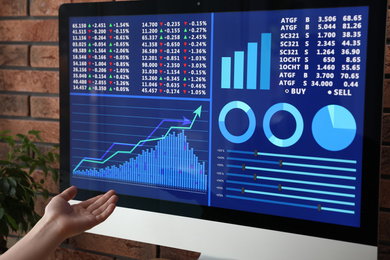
{"x": 252, "y": 65}
{"x": 226, "y": 72}
{"x": 142, "y": 146}
{"x": 252, "y": 60}
{"x": 265, "y": 62}
{"x": 171, "y": 163}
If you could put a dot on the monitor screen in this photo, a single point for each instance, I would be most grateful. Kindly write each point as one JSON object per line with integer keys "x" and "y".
{"x": 264, "y": 115}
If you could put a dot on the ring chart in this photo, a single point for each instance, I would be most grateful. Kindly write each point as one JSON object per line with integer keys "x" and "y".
{"x": 267, "y": 124}
{"x": 237, "y": 139}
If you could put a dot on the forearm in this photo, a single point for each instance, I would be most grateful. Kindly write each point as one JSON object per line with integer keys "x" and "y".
{"x": 62, "y": 220}
{"x": 38, "y": 244}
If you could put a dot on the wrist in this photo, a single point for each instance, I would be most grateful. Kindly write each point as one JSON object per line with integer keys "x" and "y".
{"x": 50, "y": 224}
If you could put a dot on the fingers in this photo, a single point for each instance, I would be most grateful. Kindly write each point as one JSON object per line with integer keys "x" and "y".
{"x": 99, "y": 201}
{"x": 100, "y": 206}
{"x": 90, "y": 201}
{"x": 112, "y": 200}
{"x": 104, "y": 211}
{"x": 69, "y": 193}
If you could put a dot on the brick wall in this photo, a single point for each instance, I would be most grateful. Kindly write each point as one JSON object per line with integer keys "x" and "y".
{"x": 29, "y": 99}
{"x": 29, "y": 87}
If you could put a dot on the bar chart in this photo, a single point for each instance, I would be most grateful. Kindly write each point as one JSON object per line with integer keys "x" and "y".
{"x": 170, "y": 163}
{"x": 142, "y": 145}
{"x": 254, "y": 58}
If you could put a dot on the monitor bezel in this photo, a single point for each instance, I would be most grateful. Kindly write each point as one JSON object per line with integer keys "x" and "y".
{"x": 366, "y": 233}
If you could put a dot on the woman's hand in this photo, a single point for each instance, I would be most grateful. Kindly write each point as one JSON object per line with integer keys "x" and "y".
{"x": 75, "y": 219}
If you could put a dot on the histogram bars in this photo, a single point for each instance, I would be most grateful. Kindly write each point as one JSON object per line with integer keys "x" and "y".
{"x": 170, "y": 164}
{"x": 252, "y": 62}
{"x": 197, "y": 113}
{"x": 331, "y": 185}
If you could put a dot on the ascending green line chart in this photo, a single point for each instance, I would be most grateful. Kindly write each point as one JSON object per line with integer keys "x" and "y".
{"x": 154, "y": 146}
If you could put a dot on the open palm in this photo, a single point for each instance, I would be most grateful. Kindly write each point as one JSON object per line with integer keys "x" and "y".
{"x": 74, "y": 219}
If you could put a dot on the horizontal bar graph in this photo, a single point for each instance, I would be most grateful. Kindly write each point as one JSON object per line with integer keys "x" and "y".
{"x": 317, "y": 183}
{"x": 252, "y": 60}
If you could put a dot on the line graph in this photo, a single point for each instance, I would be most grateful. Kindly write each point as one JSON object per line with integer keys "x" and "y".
{"x": 136, "y": 142}
{"x": 185, "y": 121}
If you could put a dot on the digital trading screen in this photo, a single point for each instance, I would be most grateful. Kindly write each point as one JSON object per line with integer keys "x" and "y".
{"x": 258, "y": 111}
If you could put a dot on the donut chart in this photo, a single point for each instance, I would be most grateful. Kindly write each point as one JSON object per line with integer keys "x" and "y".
{"x": 267, "y": 127}
{"x": 237, "y": 139}
{"x": 334, "y": 128}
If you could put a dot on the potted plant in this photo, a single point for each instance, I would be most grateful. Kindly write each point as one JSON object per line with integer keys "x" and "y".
{"x": 18, "y": 190}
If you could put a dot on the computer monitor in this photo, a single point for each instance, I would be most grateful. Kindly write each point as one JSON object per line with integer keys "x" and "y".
{"x": 238, "y": 129}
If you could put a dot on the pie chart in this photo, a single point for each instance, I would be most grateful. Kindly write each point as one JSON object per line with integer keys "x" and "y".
{"x": 334, "y": 127}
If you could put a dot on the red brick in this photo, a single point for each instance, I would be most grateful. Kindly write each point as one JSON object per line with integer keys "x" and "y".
{"x": 13, "y": 7}
{"x": 386, "y": 94}
{"x": 40, "y": 205}
{"x": 383, "y": 252}
{"x": 49, "y": 183}
{"x": 4, "y": 149}
{"x": 114, "y": 246}
{"x": 48, "y": 148}
{"x": 45, "y": 7}
{"x": 49, "y": 130}
{"x": 384, "y": 194}
{"x": 66, "y": 254}
{"x": 45, "y": 107}
{"x": 44, "y": 56}
{"x": 387, "y": 60}
{"x": 388, "y": 25}
{"x": 29, "y": 81}
{"x": 90, "y": 1}
{"x": 14, "y": 105}
{"x": 384, "y": 226}
{"x": 29, "y": 30}
{"x": 386, "y": 128}
{"x": 178, "y": 254}
{"x": 13, "y": 55}
{"x": 385, "y": 160}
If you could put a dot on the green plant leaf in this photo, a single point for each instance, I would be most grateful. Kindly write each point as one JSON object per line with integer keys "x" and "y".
{"x": 45, "y": 193}
{"x": 12, "y": 181}
{"x": 51, "y": 156}
{"x": 4, "y": 185}
{"x": 8, "y": 139}
{"x": 18, "y": 190}
{"x": 12, "y": 192}
{"x": 35, "y": 150}
{"x": 21, "y": 137}
{"x": 4, "y": 162}
{"x": 5, "y": 132}
{"x": 36, "y": 134}
{"x": 4, "y": 230}
{"x": 33, "y": 166}
{"x": 11, "y": 221}
{"x": 57, "y": 156}
{"x": 54, "y": 173}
